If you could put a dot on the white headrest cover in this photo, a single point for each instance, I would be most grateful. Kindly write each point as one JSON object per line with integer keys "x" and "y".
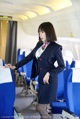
{"x": 5, "y": 75}
{"x": 76, "y": 75}
{"x": 1, "y": 62}
{"x": 77, "y": 63}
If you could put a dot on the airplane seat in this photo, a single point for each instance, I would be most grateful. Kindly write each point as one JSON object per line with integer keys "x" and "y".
{"x": 59, "y": 104}
{"x": 57, "y": 107}
{"x": 72, "y": 94}
{"x": 7, "y": 93}
{"x": 20, "y": 57}
{"x": 27, "y": 69}
{"x": 60, "y": 89}
{"x": 72, "y": 64}
{"x": 77, "y": 63}
{"x": 20, "y": 73}
{"x": 30, "y": 85}
{"x": 67, "y": 65}
{"x": 27, "y": 77}
{"x": 68, "y": 59}
{"x": 2, "y": 63}
{"x": 60, "y": 101}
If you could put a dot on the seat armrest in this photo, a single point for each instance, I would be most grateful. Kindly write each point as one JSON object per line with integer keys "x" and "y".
{"x": 66, "y": 114}
{"x": 17, "y": 113}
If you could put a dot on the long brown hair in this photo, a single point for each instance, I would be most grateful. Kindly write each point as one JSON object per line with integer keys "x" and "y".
{"x": 48, "y": 28}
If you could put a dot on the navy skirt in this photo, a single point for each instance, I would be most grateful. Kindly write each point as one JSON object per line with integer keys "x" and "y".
{"x": 47, "y": 93}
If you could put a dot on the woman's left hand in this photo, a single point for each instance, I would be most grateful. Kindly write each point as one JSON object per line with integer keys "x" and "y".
{"x": 46, "y": 78}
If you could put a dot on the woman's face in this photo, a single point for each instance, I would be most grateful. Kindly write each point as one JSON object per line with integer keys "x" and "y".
{"x": 42, "y": 36}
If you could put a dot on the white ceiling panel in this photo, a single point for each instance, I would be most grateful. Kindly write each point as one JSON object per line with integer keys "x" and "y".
{"x": 28, "y": 9}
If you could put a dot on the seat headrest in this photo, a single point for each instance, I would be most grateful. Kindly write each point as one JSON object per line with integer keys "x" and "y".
{"x": 77, "y": 63}
{"x": 1, "y": 62}
{"x": 5, "y": 75}
{"x": 76, "y": 75}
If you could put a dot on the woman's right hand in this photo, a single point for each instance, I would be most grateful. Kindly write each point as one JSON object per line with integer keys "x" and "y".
{"x": 9, "y": 66}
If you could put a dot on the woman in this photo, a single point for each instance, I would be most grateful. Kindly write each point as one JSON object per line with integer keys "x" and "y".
{"x": 44, "y": 55}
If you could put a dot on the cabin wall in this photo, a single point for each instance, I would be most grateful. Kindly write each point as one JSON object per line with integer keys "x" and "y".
{"x": 66, "y": 24}
{"x": 24, "y": 40}
{"x": 70, "y": 44}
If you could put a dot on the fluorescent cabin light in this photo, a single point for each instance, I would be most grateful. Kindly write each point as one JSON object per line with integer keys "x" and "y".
{"x": 23, "y": 17}
{"x": 31, "y": 14}
{"x": 41, "y": 10}
{"x": 59, "y": 4}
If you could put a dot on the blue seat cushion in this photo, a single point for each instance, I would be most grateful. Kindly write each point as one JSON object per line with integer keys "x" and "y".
{"x": 57, "y": 107}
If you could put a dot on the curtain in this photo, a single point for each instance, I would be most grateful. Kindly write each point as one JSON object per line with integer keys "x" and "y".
{"x": 11, "y": 44}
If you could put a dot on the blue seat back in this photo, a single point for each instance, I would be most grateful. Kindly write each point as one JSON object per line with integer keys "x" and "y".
{"x": 72, "y": 64}
{"x": 67, "y": 65}
{"x": 77, "y": 63}
{"x": 27, "y": 69}
{"x": 2, "y": 63}
{"x": 73, "y": 90}
{"x": 60, "y": 88}
{"x": 20, "y": 56}
{"x": 7, "y": 93}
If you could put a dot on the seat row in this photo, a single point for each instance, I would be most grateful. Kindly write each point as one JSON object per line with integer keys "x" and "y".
{"x": 63, "y": 92}
{"x": 68, "y": 99}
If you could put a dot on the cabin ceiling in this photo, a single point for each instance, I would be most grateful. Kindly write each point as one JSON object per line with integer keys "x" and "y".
{"x": 19, "y": 10}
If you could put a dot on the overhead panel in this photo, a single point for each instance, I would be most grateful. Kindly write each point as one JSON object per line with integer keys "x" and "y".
{"x": 59, "y": 4}
{"x": 23, "y": 17}
{"x": 26, "y": 9}
{"x": 31, "y": 14}
{"x": 41, "y": 10}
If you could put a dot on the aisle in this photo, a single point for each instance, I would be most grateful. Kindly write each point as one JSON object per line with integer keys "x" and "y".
{"x": 24, "y": 105}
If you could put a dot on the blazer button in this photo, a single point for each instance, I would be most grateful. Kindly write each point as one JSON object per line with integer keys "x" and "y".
{"x": 40, "y": 68}
{"x": 40, "y": 59}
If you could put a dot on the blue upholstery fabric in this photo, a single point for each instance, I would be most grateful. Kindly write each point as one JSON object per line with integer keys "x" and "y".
{"x": 60, "y": 89}
{"x": 67, "y": 65}
{"x": 76, "y": 98}
{"x": 7, "y": 98}
{"x": 67, "y": 77}
{"x": 72, "y": 93}
{"x": 2, "y": 63}
{"x": 19, "y": 58}
{"x": 58, "y": 106}
{"x": 72, "y": 64}
{"x": 27, "y": 69}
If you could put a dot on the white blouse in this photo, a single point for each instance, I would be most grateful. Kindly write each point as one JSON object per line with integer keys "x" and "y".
{"x": 40, "y": 51}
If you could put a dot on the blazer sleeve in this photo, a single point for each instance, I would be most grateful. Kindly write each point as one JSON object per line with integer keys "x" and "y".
{"x": 26, "y": 59}
{"x": 60, "y": 61}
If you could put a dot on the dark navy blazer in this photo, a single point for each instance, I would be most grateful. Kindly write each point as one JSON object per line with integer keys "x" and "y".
{"x": 45, "y": 63}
